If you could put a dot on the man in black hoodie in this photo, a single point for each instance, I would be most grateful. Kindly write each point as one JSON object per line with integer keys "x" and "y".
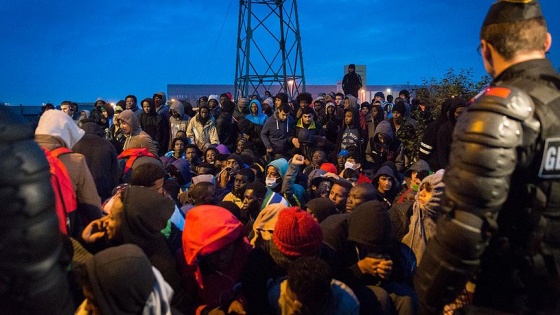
{"x": 352, "y": 82}
{"x": 445, "y": 132}
{"x": 225, "y": 125}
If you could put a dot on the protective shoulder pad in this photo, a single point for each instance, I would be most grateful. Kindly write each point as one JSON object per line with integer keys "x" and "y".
{"x": 506, "y": 100}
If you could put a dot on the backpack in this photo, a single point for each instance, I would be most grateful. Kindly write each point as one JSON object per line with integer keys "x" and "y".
{"x": 65, "y": 196}
{"x": 127, "y": 158}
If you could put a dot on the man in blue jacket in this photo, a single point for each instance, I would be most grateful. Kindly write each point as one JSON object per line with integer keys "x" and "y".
{"x": 278, "y": 130}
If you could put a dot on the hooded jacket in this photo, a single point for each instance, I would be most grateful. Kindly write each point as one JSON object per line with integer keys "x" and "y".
{"x": 352, "y": 134}
{"x": 57, "y": 129}
{"x": 321, "y": 208}
{"x": 369, "y": 225}
{"x": 414, "y": 223}
{"x": 202, "y": 135}
{"x": 388, "y": 196}
{"x": 428, "y": 147}
{"x": 353, "y": 102}
{"x": 332, "y": 123}
{"x": 260, "y": 117}
{"x": 372, "y": 123}
{"x": 215, "y": 112}
{"x": 82, "y": 118}
{"x": 242, "y": 109}
{"x": 163, "y": 109}
{"x": 281, "y": 166}
{"x": 226, "y": 127}
{"x": 384, "y": 128}
{"x": 101, "y": 158}
{"x": 176, "y": 124}
{"x": 352, "y": 236}
{"x": 351, "y": 83}
{"x": 124, "y": 282}
{"x": 209, "y": 229}
{"x": 277, "y": 135}
{"x": 417, "y": 166}
{"x": 445, "y": 133}
{"x": 145, "y": 213}
{"x": 312, "y": 131}
{"x": 137, "y": 137}
{"x": 405, "y": 139}
{"x": 379, "y": 152}
{"x": 263, "y": 227}
{"x": 183, "y": 168}
{"x": 156, "y": 126}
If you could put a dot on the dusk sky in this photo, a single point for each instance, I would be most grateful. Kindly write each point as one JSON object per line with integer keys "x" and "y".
{"x": 81, "y": 50}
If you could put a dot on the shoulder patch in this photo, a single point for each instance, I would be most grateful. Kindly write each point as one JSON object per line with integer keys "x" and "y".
{"x": 550, "y": 165}
{"x": 501, "y": 92}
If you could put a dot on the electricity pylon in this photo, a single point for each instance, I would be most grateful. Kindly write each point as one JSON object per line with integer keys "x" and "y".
{"x": 269, "y": 55}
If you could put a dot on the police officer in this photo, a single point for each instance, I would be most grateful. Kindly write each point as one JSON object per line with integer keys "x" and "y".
{"x": 502, "y": 198}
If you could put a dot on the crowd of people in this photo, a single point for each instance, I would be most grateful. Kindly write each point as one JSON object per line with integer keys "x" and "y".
{"x": 225, "y": 199}
{"x": 321, "y": 205}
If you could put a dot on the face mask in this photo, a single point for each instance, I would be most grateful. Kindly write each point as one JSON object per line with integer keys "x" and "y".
{"x": 349, "y": 165}
{"x": 271, "y": 182}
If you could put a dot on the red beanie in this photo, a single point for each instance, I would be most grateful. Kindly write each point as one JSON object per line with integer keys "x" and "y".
{"x": 296, "y": 233}
{"x": 329, "y": 168}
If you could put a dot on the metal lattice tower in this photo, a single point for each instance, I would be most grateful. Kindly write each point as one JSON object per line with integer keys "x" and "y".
{"x": 269, "y": 55}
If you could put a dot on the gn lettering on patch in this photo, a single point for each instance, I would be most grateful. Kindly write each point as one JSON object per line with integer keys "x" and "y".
{"x": 550, "y": 166}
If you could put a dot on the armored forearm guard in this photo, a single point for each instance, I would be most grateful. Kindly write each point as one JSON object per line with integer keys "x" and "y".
{"x": 32, "y": 278}
{"x": 487, "y": 142}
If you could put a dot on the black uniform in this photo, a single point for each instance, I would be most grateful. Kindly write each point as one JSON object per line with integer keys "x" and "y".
{"x": 504, "y": 173}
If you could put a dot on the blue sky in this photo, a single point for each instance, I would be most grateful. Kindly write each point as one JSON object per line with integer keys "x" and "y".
{"x": 82, "y": 50}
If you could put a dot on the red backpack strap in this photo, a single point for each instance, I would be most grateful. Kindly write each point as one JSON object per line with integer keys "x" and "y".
{"x": 65, "y": 198}
{"x": 132, "y": 154}
{"x": 60, "y": 151}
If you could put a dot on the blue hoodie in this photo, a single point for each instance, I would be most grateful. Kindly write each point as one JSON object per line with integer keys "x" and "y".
{"x": 258, "y": 119}
{"x": 281, "y": 165}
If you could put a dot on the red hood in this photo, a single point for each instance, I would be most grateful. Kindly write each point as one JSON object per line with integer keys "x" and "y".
{"x": 207, "y": 230}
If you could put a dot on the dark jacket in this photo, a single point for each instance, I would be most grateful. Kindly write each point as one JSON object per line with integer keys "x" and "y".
{"x": 332, "y": 126}
{"x": 227, "y": 130}
{"x": 353, "y": 128}
{"x": 144, "y": 214}
{"x": 387, "y": 197}
{"x": 445, "y": 133}
{"x": 137, "y": 138}
{"x": 310, "y": 137}
{"x": 155, "y": 125}
{"x": 351, "y": 237}
{"x": 517, "y": 224}
{"x": 101, "y": 158}
{"x": 428, "y": 146}
{"x": 56, "y": 129}
{"x": 278, "y": 134}
{"x": 351, "y": 83}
